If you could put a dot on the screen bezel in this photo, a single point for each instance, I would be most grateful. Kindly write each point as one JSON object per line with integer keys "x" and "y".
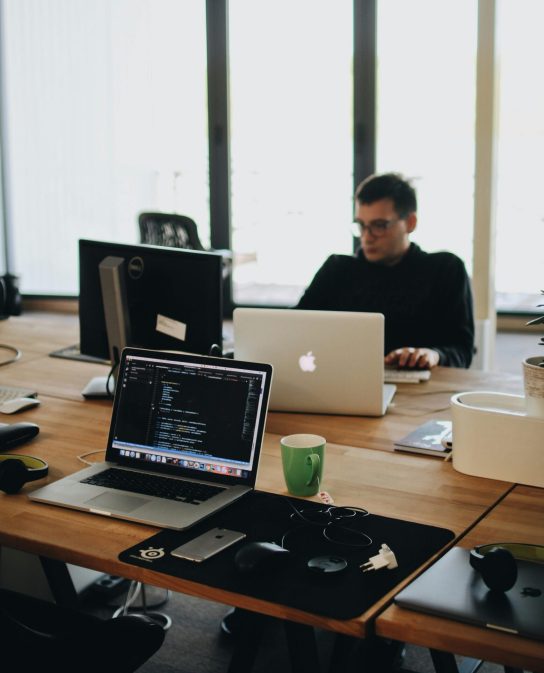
{"x": 176, "y": 470}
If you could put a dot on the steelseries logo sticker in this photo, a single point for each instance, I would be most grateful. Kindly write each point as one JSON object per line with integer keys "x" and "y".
{"x": 149, "y": 554}
{"x": 135, "y": 268}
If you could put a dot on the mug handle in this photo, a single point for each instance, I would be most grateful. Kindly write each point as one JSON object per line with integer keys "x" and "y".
{"x": 313, "y": 460}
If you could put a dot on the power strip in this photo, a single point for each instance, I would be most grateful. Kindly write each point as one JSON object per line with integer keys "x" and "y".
{"x": 108, "y": 585}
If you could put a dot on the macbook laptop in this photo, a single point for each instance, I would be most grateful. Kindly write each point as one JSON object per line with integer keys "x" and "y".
{"x": 324, "y": 361}
{"x": 184, "y": 441}
{"x": 451, "y": 588}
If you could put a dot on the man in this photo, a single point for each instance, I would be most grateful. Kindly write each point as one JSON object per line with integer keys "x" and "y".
{"x": 425, "y": 297}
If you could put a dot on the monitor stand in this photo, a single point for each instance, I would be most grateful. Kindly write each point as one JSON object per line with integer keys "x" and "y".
{"x": 114, "y": 299}
{"x": 73, "y": 353}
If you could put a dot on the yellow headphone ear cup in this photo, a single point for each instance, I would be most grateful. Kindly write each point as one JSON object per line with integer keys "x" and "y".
{"x": 13, "y": 475}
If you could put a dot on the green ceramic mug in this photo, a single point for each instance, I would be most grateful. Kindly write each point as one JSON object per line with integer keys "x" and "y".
{"x": 302, "y": 457}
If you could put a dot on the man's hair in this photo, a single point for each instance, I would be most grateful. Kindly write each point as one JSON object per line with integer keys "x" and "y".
{"x": 388, "y": 186}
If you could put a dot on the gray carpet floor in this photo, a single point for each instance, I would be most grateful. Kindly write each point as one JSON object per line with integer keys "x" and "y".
{"x": 195, "y": 643}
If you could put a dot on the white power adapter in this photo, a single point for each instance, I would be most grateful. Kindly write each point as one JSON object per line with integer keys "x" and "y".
{"x": 384, "y": 559}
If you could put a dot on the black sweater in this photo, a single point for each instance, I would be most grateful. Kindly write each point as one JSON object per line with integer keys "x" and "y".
{"x": 426, "y": 299}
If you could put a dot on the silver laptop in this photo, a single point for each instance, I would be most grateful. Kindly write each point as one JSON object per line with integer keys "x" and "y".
{"x": 184, "y": 441}
{"x": 324, "y": 361}
{"x": 451, "y": 588}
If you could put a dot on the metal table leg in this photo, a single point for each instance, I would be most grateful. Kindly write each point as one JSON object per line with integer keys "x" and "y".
{"x": 60, "y": 582}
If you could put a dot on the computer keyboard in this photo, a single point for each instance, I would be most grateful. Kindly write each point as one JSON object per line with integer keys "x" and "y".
{"x": 10, "y": 393}
{"x": 150, "y": 484}
{"x": 406, "y": 375}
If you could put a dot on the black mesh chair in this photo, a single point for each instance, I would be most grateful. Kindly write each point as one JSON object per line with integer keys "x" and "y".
{"x": 176, "y": 231}
{"x": 38, "y": 635}
{"x": 169, "y": 229}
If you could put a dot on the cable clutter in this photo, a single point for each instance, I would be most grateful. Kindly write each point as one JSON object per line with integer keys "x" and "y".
{"x": 339, "y": 524}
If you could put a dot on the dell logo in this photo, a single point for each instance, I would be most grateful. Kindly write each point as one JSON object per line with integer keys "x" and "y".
{"x": 135, "y": 268}
{"x": 307, "y": 362}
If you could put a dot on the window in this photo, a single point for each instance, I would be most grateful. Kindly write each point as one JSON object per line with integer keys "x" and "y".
{"x": 426, "y": 113}
{"x": 291, "y": 143}
{"x": 106, "y": 116}
{"x": 520, "y": 171}
{"x": 105, "y": 108}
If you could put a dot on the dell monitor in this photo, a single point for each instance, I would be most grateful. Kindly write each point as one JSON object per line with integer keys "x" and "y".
{"x": 173, "y": 297}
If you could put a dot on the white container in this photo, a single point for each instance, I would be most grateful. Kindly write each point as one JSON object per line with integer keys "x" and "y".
{"x": 493, "y": 437}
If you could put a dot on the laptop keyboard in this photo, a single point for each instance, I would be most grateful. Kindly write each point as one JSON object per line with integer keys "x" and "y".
{"x": 406, "y": 375}
{"x": 151, "y": 484}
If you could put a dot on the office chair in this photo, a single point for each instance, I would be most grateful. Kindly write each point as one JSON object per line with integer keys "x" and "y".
{"x": 169, "y": 229}
{"x": 37, "y": 634}
{"x": 176, "y": 231}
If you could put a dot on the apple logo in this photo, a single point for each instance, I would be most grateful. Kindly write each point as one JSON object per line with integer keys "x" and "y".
{"x": 307, "y": 362}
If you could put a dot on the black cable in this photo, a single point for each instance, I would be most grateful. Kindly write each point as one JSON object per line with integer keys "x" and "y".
{"x": 216, "y": 351}
{"x": 110, "y": 375}
{"x": 328, "y": 519}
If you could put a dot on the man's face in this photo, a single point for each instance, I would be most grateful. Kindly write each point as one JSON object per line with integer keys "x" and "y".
{"x": 384, "y": 244}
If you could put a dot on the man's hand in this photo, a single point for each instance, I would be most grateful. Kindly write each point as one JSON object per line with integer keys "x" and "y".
{"x": 412, "y": 358}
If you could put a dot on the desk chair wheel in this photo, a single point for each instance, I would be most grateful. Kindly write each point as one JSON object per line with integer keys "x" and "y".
{"x": 136, "y": 589}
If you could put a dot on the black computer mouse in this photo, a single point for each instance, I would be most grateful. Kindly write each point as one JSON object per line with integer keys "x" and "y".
{"x": 16, "y": 433}
{"x": 261, "y": 557}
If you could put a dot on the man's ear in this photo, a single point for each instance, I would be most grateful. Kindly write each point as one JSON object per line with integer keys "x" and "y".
{"x": 411, "y": 223}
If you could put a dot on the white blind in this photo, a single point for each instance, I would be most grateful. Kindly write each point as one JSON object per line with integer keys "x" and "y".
{"x": 106, "y": 117}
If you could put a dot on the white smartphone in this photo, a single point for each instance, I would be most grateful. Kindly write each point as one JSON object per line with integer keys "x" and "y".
{"x": 209, "y": 543}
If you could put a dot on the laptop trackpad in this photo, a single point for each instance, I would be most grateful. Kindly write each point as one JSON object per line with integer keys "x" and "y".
{"x": 116, "y": 501}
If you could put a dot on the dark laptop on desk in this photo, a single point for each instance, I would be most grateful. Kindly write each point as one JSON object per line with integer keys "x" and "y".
{"x": 451, "y": 588}
{"x": 184, "y": 441}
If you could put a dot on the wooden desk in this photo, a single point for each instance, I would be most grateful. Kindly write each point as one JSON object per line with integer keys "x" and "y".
{"x": 40, "y": 332}
{"x": 53, "y": 377}
{"x": 518, "y": 518}
{"x": 411, "y": 487}
{"x": 414, "y": 487}
{"x": 37, "y": 334}
{"x": 413, "y": 404}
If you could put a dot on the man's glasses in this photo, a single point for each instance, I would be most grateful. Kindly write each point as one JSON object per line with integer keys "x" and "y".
{"x": 376, "y": 228}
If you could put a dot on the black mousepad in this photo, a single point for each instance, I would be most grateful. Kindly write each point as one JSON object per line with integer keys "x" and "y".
{"x": 272, "y": 518}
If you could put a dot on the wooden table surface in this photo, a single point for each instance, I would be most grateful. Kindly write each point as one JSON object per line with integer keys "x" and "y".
{"x": 517, "y": 518}
{"x": 37, "y": 334}
{"x": 417, "y": 488}
{"x": 361, "y": 468}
